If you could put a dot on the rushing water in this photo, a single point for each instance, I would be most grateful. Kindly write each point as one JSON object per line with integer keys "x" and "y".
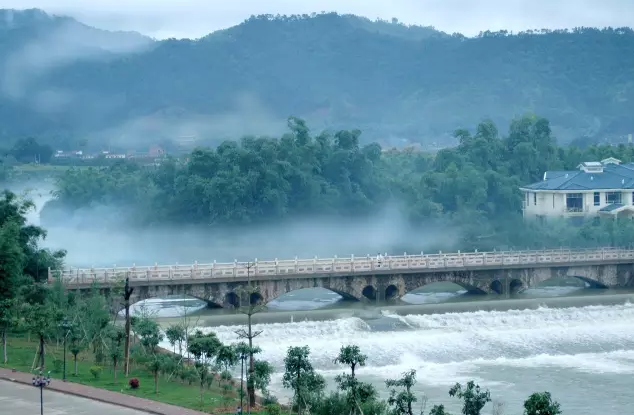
{"x": 584, "y": 355}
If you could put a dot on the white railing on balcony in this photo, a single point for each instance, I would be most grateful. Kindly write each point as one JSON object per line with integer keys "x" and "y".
{"x": 347, "y": 266}
{"x": 584, "y": 209}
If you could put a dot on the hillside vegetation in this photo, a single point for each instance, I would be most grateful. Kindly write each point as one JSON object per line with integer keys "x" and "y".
{"x": 473, "y": 187}
{"x": 392, "y": 81}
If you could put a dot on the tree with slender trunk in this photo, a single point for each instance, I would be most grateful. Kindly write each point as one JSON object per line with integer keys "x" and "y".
{"x": 357, "y": 392}
{"x": 175, "y": 334}
{"x": 204, "y": 347}
{"x": 250, "y": 296}
{"x": 116, "y": 338}
{"x": 76, "y": 347}
{"x": 541, "y": 404}
{"x": 8, "y": 319}
{"x": 127, "y": 293}
{"x": 402, "y": 400}
{"x": 155, "y": 365}
{"x": 472, "y": 396}
{"x": 12, "y": 262}
{"x": 300, "y": 376}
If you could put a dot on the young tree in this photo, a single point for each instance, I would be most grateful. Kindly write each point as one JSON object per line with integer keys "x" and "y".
{"x": 95, "y": 320}
{"x": 438, "y": 410}
{"x": 357, "y": 392}
{"x": 40, "y": 316}
{"x": 226, "y": 358}
{"x": 150, "y": 334}
{"x": 262, "y": 376}
{"x": 250, "y": 295}
{"x": 155, "y": 363}
{"x": 243, "y": 351}
{"x": 204, "y": 347}
{"x": 225, "y": 377}
{"x": 300, "y": 376}
{"x": 472, "y": 396}
{"x": 541, "y": 404}
{"x": 116, "y": 337}
{"x": 12, "y": 261}
{"x": 403, "y": 400}
{"x": 8, "y": 319}
{"x": 175, "y": 334}
{"x": 76, "y": 345}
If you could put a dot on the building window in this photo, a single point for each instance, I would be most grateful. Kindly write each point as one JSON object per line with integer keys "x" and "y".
{"x": 613, "y": 197}
{"x": 535, "y": 199}
{"x": 597, "y": 198}
{"x": 574, "y": 202}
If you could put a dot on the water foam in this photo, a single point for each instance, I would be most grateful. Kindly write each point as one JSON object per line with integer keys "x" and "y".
{"x": 457, "y": 338}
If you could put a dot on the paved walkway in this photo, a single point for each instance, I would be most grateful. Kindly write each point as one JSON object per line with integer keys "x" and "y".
{"x": 29, "y": 395}
{"x": 20, "y": 399}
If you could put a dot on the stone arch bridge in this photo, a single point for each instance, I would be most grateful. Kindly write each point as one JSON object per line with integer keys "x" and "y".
{"x": 382, "y": 277}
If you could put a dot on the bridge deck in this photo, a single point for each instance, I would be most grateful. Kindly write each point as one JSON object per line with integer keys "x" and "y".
{"x": 347, "y": 266}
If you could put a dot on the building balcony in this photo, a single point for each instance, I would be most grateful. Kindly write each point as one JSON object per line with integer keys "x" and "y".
{"x": 576, "y": 211}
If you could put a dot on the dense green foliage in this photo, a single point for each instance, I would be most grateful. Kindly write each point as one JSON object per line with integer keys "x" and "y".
{"x": 390, "y": 80}
{"x": 473, "y": 187}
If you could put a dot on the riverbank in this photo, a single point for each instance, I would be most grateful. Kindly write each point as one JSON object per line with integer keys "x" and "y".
{"x": 21, "y": 354}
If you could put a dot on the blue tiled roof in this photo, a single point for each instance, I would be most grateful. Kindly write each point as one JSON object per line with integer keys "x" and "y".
{"x": 611, "y": 207}
{"x": 614, "y": 176}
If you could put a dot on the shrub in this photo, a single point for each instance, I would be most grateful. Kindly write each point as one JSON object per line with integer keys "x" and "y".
{"x": 58, "y": 365}
{"x": 134, "y": 383}
{"x": 95, "y": 371}
{"x": 273, "y": 409}
{"x": 269, "y": 399}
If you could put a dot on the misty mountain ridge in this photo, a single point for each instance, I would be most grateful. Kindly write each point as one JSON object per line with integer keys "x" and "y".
{"x": 64, "y": 81}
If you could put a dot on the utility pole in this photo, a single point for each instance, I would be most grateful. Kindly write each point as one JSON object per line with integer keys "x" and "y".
{"x": 127, "y": 293}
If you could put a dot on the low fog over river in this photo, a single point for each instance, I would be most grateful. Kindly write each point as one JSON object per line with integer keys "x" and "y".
{"x": 561, "y": 337}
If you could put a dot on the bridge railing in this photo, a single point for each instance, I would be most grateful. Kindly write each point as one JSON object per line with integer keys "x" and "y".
{"x": 351, "y": 265}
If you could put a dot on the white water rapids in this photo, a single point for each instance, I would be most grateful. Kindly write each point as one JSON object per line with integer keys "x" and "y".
{"x": 584, "y": 356}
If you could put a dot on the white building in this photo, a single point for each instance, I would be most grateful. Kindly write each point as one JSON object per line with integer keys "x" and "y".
{"x": 596, "y": 188}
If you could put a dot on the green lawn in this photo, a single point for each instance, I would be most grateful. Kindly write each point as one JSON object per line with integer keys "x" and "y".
{"x": 21, "y": 354}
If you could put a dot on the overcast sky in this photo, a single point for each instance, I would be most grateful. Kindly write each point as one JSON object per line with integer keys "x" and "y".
{"x": 195, "y": 18}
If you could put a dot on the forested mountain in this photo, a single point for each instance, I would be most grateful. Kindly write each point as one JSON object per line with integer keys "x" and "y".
{"x": 392, "y": 81}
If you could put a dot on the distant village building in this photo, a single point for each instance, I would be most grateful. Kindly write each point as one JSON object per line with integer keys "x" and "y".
{"x": 604, "y": 188}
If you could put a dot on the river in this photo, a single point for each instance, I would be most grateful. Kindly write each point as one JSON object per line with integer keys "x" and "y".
{"x": 580, "y": 347}
{"x": 575, "y": 342}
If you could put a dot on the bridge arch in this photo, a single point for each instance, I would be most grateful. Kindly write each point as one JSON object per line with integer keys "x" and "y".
{"x": 369, "y": 292}
{"x": 266, "y": 297}
{"x": 373, "y": 293}
{"x": 137, "y": 302}
{"x": 570, "y": 280}
{"x": 591, "y": 283}
{"x": 469, "y": 288}
{"x": 496, "y": 287}
{"x": 391, "y": 292}
{"x": 516, "y": 285}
